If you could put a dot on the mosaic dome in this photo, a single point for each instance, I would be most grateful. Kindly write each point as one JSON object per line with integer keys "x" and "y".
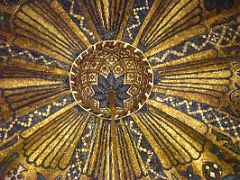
{"x": 119, "y": 89}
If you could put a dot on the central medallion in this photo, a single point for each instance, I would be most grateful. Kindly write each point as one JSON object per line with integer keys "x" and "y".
{"x": 111, "y": 74}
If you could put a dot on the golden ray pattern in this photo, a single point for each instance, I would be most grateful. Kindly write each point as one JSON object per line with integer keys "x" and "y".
{"x": 130, "y": 165}
{"x": 76, "y": 104}
{"x": 56, "y": 148}
{"x": 109, "y": 17}
{"x": 174, "y": 142}
{"x": 167, "y": 20}
{"x": 60, "y": 40}
{"x": 204, "y": 80}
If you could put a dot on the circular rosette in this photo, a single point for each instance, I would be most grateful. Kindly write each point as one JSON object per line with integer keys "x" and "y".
{"x": 111, "y": 66}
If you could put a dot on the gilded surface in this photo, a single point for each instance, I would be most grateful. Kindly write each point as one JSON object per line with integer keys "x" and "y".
{"x": 111, "y": 65}
{"x": 119, "y": 89}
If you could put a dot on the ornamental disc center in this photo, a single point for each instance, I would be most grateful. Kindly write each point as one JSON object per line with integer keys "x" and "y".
{"x": 111, "y": 77}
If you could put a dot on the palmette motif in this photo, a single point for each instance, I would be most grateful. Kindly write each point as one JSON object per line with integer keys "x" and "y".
{"x": 119, "y": 89}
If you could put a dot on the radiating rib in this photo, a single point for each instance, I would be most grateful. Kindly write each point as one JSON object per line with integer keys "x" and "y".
{"x": 172, "y": 139}
{"x": 135, "y": 163}
{"x": 100, "y": 159}
{"x": 3, "y": 39}
{"x": 173, "y": 18}
{"x": 10, "y": 83}
{"x": 168, "y": 23}
{"x": 42, "y": 26}
{"x": 27, "y": 86}
{"x": 25, "y": 99}
{"x": 187, "y": 59}
{"x": 52, "y": 144}
{"x": 205, "y": 80}
{"x": 109, "y": 17}
{"x": 15, "y": 67}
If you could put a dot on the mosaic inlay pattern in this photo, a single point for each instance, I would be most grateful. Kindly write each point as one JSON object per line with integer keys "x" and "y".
{"x": 115, "y": 66}
{"x": 119, "y": 89}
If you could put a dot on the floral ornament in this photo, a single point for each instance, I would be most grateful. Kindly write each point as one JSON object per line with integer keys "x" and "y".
{"x": 212, "y": 170}
{"x": 218, "y": 5}
{"x": 235, "y": 98}
{"x": 160, "y": 64}
{"x": 16, "y": 173}
{"x": 4, "y": 23}
{"x": 40, "y": 176}
{"x": 189, "y": 174}
{"x": 111, "y": 83}
{"x": 220, "y": 155}
{"x": 4, "y": 164}
{"x": 227, "y": 142}
{"x": 235, "y": 176}
{"x": 10, "y": 3}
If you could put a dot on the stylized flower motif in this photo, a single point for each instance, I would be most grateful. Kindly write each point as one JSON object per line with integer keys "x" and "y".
{"x": 235, "y": 175}
{"x": 189, "y": 174}
{"x": 218, "y": 5}
{"x": 111, "y": 83}
{"x": 119, "y": 89}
